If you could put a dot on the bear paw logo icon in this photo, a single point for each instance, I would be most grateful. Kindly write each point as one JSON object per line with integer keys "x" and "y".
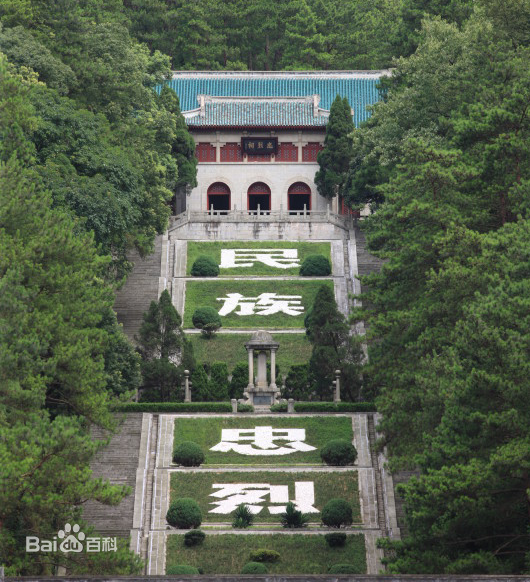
{"x": 72, "y": 538}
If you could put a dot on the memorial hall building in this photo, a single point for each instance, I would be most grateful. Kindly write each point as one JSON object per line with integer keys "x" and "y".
{"x": 258, "y": 135}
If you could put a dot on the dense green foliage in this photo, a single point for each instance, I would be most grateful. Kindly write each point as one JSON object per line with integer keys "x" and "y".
{"x": 263, "y": 36}
{"x": 336, "y": 539}
{"x": 205, "y": 267}
{"x": 184, "y": 407}
{"x": 342, "y": 569}
{"x": 315, "y": 266}
{"x": 338, "y": 452}
{"x": 334, "y": 159}
{"x": 297, "y": 384}
{"x": 111, "y": 150}
{"x": 58, "y": 361}
{"x": 336, "y": 513}
{"x": 264, "y": 555}
{"x": 179, "y": 569}
{"x": 165, "y": 351}
{"x": 242, "y": 516}
{"x": 184, "y": 513}
{"x": 449, "y": 328}
{"x": 188, "y": 454}
{"x": 254, "y": 568}
{"x": 194, "y": 537}
{"x": 293, "y": 518}
{"x": 333, "y": 349}
{"x": 238, "y": 381}
{"x": 207, "y": 319}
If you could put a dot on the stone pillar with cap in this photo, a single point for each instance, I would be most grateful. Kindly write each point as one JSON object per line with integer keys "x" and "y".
{"x": 250, "y": 369}
{"x": 187, "y": 391}
{"x": 336, "y": 396}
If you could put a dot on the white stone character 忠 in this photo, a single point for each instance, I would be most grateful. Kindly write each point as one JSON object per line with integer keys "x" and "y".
{"x": 260, "y": 441}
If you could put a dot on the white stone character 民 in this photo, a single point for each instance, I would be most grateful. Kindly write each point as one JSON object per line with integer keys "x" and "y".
{"x": 260, "y": 441}
{"x": 279, "y": 258}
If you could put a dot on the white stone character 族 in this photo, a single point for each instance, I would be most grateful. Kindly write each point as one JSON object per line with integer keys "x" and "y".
{"x": 264, "y": 304}
{"x": 230, "y": 495}
{"x": 261, "y": 441}
{"x": 278, "y": 258}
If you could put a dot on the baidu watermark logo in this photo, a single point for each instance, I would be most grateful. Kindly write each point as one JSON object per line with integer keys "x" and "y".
{"x": 70, "y": 539}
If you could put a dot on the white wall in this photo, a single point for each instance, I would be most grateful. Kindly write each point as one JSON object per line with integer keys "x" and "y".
{"x": 279, "y": 176}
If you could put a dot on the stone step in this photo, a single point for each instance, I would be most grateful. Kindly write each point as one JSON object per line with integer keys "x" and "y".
{"x": 117, "y": 462}
{"x": 141, "y": 287}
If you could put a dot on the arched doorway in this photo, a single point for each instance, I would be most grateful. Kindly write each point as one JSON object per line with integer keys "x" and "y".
{"x": 298, "y": 196}
{"x": 219, "y": 197}
{"x": 259, "y": 194}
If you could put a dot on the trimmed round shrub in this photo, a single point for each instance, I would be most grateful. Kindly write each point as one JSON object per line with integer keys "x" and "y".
{"x": 315, "y": 266}
{"x": 204, "y": 267}
{"x": 194, "y": 537}
{"x": 343, "y": 569}
{"x": 254, "y": 568}
{"x": 184, "y": 513}
{"x": 338, "y": 452}
{"x": 181, "y": 569}
{"x": 188, "y": 454}
{"x": 264, "y": 555}
{"x": 337, "y": 512}
{"x": 204, "y": 316}
{"x": 335, "y": 539}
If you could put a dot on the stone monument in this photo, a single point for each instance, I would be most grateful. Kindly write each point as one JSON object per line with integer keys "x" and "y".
{"x": 259, "y": 391}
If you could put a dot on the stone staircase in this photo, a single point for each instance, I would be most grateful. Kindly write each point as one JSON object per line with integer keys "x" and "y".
{"x": 366, "y": 262}
{"x": 117, "y": 463}
{"x": 141, "y": 287}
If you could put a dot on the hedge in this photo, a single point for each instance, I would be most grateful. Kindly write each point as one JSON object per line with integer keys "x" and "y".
{"x": 280, "y": 407}
{"x": 335, "y": 407}
{"x": 173, "y": 407}
{"x": 242, "y": 407}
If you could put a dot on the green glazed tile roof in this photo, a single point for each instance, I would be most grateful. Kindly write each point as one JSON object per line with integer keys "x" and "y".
{"x": 257, "y": 112}
{"x": 358, "y": 87}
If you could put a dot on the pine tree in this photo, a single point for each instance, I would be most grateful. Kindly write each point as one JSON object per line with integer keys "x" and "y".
{"x": 333, "y": 348}
{"x": 161, "y": 343}
{"x": 334, "y": 159}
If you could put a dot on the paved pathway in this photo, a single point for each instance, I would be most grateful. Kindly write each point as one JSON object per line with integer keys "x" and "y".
{"x": 158, "y": 530}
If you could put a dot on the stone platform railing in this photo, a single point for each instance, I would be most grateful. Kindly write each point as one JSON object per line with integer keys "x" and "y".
{"x": 264, "y": 216}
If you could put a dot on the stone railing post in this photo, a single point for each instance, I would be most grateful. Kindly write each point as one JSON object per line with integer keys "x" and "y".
{"x": 290, "y": 406}
{"x": 336, "y": 396}
{"x": 233, "y": 402}
{"x": 187, "y": 391}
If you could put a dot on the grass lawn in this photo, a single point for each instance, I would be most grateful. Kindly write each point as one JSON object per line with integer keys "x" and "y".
{"x": 228, "y": 553}
{"x": 230, "y": 348}
{"x": 207, "y": 432}
{"x": 213, "y": 250}
{"x": 198, "y": 485}
{"x": 205, "y": 294}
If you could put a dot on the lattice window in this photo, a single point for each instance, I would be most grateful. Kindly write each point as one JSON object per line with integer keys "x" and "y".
{"x": 310, "y": 151}
{"x": 259, "y": 188}
{"x": 299, "y": 188}
{"x": 287, "y": 152}
{"x": 218, "y": 188}
{"x": 231, "y": 152}
{"x": 205, "y": 152}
